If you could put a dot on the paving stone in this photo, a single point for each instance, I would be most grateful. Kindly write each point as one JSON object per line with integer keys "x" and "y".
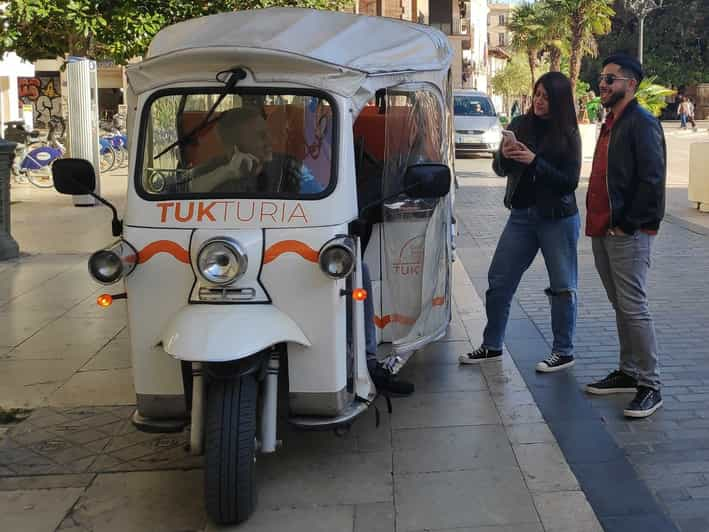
{"x": 162, "y": 501}
{"x": 45, "y": 482}
{"x": 36, "y": 510}
{"x": 566, "y": 511}
{"x": 545, "y": 468}
{"x": 375, "y": 517}
{"x": 444, "y": 410}
{"x": 457, "y": 448}
{"x": 300, "y": 519}
{"x": 438, "y": 378}
{"x": 313, "y": 478}
{"x": 522, "y": 433}
{"x": 455, "y": 499}
{"x": 110, "y": 387}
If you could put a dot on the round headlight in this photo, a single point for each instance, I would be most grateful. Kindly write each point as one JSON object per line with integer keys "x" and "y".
{"x": 106, "y": 266}
{"x": 337, "y": 258}
{"x": 221, "y": 262}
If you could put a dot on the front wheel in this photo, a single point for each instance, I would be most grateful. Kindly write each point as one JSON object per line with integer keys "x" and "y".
{"x": 230, "y": 452}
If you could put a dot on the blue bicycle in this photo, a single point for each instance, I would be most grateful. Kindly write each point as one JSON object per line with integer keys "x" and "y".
{"x": 35, "y": 156}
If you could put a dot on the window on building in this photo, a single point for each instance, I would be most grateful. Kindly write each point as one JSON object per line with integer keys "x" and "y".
{"x": 502, "y": 20}
{"x": 501, "y": 39}
{"x": 440, "y": 15}
{"x": 489, "y": 39}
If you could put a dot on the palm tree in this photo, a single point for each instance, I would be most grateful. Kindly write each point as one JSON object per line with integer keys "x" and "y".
{"x": 556, "y": 35}
{"x": 586, "y": 19}
{"x": 528, "y": 33}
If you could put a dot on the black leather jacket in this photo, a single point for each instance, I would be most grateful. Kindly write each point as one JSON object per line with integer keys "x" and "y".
{"x": 637, "y": 168}
{"x": 555, "y": 179}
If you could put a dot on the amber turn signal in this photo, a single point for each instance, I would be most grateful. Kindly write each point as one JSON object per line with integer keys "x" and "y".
{"x": 359, "y": 294}
{"x": 104, "y": 300}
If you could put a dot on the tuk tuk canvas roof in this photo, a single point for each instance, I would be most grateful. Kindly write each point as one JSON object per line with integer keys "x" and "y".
{"x": 291, "y": 44}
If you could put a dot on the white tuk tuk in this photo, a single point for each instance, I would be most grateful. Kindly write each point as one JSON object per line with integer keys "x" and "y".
{"x": 276, "y": 152}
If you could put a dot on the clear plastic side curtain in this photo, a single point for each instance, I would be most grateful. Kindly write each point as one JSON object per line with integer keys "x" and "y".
{"x": 416, "y": 231}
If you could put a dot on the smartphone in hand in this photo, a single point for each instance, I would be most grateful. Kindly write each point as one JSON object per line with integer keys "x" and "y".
{"x": 509, "y": 136}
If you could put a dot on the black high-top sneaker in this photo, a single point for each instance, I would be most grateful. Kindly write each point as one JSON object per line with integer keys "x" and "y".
{"x": 479, "y": 355}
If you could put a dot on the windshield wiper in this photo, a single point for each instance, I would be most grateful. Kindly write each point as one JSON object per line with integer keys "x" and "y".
{"x": 237, "y": 74}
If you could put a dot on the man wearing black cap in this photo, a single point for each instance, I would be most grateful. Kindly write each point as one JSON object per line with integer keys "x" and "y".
{"x": 625, "y": 204}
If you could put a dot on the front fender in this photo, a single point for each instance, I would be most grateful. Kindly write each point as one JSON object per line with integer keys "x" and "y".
{"x": 220, "y": 333}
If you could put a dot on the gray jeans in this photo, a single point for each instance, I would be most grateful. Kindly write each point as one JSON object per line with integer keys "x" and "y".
{"x": 623, "y": 263}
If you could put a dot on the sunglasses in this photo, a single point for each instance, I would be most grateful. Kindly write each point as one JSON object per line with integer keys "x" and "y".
{"x": 610, "y": 78}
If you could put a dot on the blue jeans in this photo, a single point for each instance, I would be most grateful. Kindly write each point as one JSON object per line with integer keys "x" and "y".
{"x": 683, "y": 121}
{"x": 524, "y": 235}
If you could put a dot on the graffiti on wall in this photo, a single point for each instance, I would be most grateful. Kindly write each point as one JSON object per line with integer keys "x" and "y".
{"x": 43, "y": 93}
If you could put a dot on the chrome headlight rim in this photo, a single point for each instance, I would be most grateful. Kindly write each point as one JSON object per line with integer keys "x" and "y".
{"x": 124, "y": 257}
{"x": 235, "y": 248}
{"x": 341, "y": 242}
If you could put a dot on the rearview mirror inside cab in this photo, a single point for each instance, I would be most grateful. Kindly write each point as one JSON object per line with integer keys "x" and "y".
{"x": 73, "y": 176}
{"x": 429, "y": 180}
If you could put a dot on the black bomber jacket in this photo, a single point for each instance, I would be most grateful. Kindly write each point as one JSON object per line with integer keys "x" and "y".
{"x": 555, "y": 178}
{"x": 637, "y": 169}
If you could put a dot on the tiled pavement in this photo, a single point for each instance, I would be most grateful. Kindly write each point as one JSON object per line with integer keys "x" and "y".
{"x": 670, "y": 451}
{"x": 469, "y": 451}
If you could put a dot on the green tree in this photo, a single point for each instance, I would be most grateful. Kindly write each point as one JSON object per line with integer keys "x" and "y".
{"x": 556, "y": 35}
{"x": 586, "y": 19}
{"x": 110, "y": 29}
{"x": 528, "y": 34}
{"x": 515, "y": 80}
{"x": 676, "y": 42}
{"x": 653, "y": 96}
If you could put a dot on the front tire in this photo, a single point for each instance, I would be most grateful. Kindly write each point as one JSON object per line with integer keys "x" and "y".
{"x": 230, "y": 453}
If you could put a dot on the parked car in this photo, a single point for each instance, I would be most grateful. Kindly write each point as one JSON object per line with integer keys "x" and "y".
{"x": 477, "y": 125}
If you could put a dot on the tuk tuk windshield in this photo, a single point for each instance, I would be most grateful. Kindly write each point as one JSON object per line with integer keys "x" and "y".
{"x": 252, "y": 145}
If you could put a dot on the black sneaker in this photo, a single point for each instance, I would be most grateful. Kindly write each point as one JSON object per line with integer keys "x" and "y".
{"x": 388, "y": 383}
{"x": 615, "y": 382}
{"x": 555, "y": 362}
{"x": 645, "y": 403}
{"x": 480, "y": 354}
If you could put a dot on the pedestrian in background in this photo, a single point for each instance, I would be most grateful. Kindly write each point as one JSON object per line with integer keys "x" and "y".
{"x": 625, "y": 204}
{"x": 683, "y": 112}
{"x": 542, "y": 162}
{"x": 690, "y": 113}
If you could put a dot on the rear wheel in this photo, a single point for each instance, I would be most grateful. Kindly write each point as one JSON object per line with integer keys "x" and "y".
{"x": 230, "y": 450}
{"x": 107, "y": 159}
{"x": 41, "y": 177}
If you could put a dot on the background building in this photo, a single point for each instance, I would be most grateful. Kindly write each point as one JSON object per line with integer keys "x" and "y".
{"x": 497, "y": 18}
{"x": 477, "y": 11}
{"x": 465, "y": 25}
{"x": 11, "y": 69}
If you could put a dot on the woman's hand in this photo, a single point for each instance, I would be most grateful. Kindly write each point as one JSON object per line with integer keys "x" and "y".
{"x": 518, "y": 152}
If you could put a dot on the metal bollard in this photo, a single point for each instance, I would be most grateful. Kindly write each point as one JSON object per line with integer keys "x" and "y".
{"x": 8, "y": 246}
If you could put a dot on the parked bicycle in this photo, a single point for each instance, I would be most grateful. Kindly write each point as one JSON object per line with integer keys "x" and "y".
{"x": 34, "y": 156}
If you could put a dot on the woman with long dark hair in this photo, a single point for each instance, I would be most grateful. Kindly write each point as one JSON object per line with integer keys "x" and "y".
{"x": 542, "y": 161}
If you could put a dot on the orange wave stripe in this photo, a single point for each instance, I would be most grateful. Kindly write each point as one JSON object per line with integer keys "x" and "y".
{"x": 382, "y": 322}
{"x": 163, "y": 246}
{"x": 290, "y": 246}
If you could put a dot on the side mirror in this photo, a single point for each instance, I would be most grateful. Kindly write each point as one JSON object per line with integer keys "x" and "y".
{"x": 429, "y": 180}
{"x": 73, "y": 176}
{"x": 77, "y": 176}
